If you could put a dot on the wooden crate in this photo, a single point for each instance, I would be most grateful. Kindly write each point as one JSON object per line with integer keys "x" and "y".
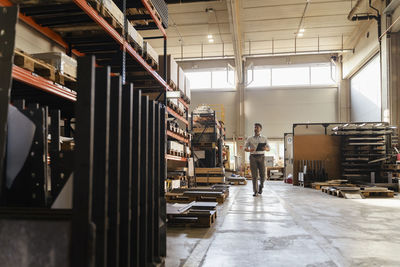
{"x": 26, "y": 61}
{"x": 210, "y": 180}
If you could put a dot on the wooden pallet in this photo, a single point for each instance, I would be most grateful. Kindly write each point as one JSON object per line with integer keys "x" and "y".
{"x": 181, "y": 198}
{"x": 65, "y": 80}
{"x": 151, "y": 61}
{"x": 210, "y": 180}
{"x": 176, "y": 153}
{"x": 41, "y": 68}
{"x": 275, "y": 178}
{"x": 244, "y": 182}
{"x": 195, "y": 218}
{"x": 217, "y": 170}
{"x": 377, "y": 192}
{"x": 172, "y": 85}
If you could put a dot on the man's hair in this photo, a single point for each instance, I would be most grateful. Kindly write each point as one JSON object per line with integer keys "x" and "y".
{"x": 258, "y": 124}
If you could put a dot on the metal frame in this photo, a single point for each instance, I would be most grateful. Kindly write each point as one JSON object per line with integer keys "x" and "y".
{"x": 8, "y": 21}
{"x": 136, "y": 180}
{"x": 143, "y": 253}
{"x": 100, "y": 162}
{"x": 126, "y": 233}
{"x": 82, "y": 228}
{"x": 114, "y": 170}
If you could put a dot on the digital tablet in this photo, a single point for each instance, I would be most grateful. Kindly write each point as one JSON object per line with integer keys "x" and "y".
{"x": 261, "y": 146}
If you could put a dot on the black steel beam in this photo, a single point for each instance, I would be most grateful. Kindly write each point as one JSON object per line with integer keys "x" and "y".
{"x": 150, "y": 183}
{"x": 143, "y": 249}
{"x": 100, "y": 163}
{"x": 163, "y": 176}
{"x": 8, "y": 21}
{"x": 114, "y": 172}
{"x": 82, "y": 254}
{"x": 157, "y": 184}
{"x": 126, "y": 176}
{"x": 136, "y": 183}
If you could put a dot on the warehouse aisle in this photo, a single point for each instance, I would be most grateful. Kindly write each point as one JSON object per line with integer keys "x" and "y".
{"x": 291, "y": 226}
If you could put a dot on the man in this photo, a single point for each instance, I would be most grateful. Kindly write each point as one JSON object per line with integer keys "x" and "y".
{"x": 257, "y": 163}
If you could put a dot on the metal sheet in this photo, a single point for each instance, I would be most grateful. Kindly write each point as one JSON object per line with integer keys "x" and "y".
{"x": 82, "y": 228}
{"x": 8, "y": 21}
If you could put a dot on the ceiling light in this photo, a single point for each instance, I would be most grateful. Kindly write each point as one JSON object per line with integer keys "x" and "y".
{"x": 300, "y": 34}
{"x": 209, "y": 36}
{"x": 302, "y": 30}
{"x": 211, "y": 40}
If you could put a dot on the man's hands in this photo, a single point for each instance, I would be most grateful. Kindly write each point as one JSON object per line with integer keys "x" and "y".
{"x": 267, "y": 148}
{"x": 250, "y": 149}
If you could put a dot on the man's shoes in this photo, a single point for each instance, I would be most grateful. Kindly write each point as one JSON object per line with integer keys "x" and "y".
{"x": 255, "y": 194}
{"x": 260, "y": 191}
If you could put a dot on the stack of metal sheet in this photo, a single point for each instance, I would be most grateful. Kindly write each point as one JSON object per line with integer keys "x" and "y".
{"x": 162, "y": 9}
{"x": 365, "y": 147}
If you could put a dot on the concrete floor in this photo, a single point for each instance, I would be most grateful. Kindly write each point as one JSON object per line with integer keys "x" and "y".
{"x": 291, "y": 226}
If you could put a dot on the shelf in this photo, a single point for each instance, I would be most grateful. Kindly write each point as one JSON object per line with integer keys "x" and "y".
{"x": 177, "y": 137}
{"x": 51, "y": 33}
{"x": 175, "y": 158}
{"x": 184, "y": 103}
{"x": 176, "y": 115}
{"x": 154, "y": 17}
{"x": 41, "y": 83}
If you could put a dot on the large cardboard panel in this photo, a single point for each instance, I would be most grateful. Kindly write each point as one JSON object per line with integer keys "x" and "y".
{"x": 317, "y": 147}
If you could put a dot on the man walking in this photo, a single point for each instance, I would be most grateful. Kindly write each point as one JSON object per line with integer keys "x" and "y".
{"x": 256, "y": 145}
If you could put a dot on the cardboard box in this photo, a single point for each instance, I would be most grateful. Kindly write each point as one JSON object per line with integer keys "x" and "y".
{"x": 63, "y": 63}
{"x": 172, "y": 69}
{"x": 150, "y": 52}
{"x": 135, "y": 36}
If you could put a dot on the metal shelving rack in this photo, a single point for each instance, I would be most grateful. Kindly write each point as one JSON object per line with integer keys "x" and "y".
{"x": 116, "y": 44}
{"x": 365, "y": 147}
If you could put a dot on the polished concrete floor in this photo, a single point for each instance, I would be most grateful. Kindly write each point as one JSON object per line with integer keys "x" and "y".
{"x": 291, "y": 226}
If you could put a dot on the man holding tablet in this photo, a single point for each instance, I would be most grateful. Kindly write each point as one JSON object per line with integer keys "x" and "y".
{"x": 256, "y": 145}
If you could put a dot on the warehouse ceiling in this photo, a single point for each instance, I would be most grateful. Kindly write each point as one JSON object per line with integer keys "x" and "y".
{"x": 207, "y": 28}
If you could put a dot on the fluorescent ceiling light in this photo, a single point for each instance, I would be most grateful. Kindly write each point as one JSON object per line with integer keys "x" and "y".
{"x": 211, "y": 40}
{"x": 209, "y": 36}
{"x": 300, "y": 34}
{"x": 302, "y": 30}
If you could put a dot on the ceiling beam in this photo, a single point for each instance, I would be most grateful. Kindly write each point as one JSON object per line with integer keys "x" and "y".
{"x": 234, "y": 19}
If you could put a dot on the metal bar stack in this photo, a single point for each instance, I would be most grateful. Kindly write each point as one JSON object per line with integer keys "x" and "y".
{"x": 365, "y": 147}
{"x": 96, "y": 198}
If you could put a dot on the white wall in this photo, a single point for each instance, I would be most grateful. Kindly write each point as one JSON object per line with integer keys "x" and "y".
{"x": 227, "y": 99}
{"x": 278, "y": 109}
{"x": 364, "y": 50}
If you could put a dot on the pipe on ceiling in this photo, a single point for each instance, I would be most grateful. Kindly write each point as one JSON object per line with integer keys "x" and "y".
{"x": 391, "y": 7}
{"x": 354, "y": 9}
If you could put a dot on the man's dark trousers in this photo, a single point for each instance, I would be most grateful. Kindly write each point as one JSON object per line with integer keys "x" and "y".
{"x": 257, "y": 165}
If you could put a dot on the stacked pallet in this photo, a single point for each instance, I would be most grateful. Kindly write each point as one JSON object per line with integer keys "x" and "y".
{"x": 236, "y": 180}
{"x": 330, "y": 183}
{"x": 354, "y": 192}
{"x": 210, "y": 175}
{"x": 56, "y": 67}
{"x": 196, "y": 214}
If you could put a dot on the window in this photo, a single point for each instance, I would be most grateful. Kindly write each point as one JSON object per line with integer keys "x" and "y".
{"x": 300, "y": 75}
{"x": 321, "y": 75}
{"x": 259, "y": 77}
{"x": 199, "y": 80}
{"x": 220, "y": 79}
{"x": 290, "y": 76}
{"x": 365, "y": 92}
{"x": 212, "y": 79}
